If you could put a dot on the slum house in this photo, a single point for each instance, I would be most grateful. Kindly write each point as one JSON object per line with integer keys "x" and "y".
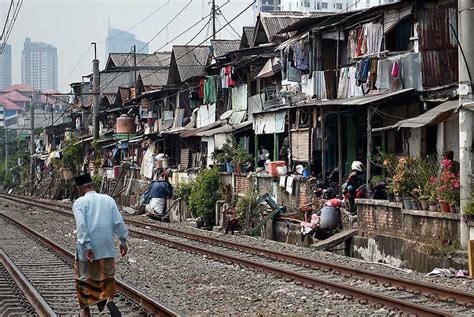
{"x": 360, "y": 70}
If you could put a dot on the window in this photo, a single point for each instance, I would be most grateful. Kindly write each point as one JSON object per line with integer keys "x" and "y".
{"x": 318, "y": 6}
{"x": 338, "y": 6}
{"x": 324, "y": 5}
{"x": 306, "y": 3}
{"x": 367, "y": 3}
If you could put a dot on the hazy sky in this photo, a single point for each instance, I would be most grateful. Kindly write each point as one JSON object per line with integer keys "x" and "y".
{"x": 71, "y": 25}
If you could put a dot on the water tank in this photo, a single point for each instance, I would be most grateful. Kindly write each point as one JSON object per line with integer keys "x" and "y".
{"x": 125, "y": 124}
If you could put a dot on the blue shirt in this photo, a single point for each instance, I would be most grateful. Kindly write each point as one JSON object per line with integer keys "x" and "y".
{"x": 158, "y": 189}
{"x": 97, "y": 220}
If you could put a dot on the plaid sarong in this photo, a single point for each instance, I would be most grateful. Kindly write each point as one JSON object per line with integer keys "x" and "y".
{"x": 95, "y": 281}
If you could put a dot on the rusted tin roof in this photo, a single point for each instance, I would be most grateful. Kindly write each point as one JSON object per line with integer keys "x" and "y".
{"x": 187, "y": 61}
{"x": 438, "y": 46}
{"x": 222, "y": 47}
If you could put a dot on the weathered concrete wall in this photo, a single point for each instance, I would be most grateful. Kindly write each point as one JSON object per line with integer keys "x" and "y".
{"x": 286, "y": 232}
{"x": 415, "y": 239}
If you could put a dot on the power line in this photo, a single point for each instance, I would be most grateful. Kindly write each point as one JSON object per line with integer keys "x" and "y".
{"x": 6, "y": 20}
{"x": 15, "y": 16}
{"x": 136, "y": 24}
{"x": 198, "y": 45}
{"x": 159, "y": 32}
{"x": 220, "y": 12}
{"x": 77, "y": 65}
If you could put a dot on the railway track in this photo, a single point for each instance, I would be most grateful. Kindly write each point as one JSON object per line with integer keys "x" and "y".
{"x": 400, "y": 294}
{"x": 17, "y": 294}
{"x": 48, "y": 269}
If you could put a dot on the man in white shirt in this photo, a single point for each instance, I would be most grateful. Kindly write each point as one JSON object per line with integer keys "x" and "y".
{"x": 97, "y": 220}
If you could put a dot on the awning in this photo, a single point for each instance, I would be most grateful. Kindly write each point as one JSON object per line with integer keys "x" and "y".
{"x": 225, "y": 129}
{"x": 194, "y": 132}
{"x": 393, "y": 17}
{"x": 358, "y": 101}
{"x": 433, "y": 116}
{"x": 267, "y": 70}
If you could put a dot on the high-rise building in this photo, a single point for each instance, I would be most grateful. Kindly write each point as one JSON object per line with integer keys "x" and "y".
{"x": 121, "y": 42}
{"x": 39, "y": 65}
{"x": 329, "y": 5}
{"x": 315, "y": 5}
{"x": 362, "y": 4}
{"x": 268, "y": 5}
{"x": 6, "y": 67}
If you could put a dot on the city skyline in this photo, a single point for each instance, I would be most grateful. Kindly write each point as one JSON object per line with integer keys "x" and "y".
{"x": 6, "y": 67}
{"x": 39, "y": 65}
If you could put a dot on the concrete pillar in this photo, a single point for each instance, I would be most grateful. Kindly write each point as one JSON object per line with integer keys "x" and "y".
{"x": 466, "y": 71}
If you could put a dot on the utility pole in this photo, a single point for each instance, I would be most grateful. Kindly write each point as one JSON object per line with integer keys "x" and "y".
{"x": 466, "y": 71}
{"x": 214, "y": 19}
{"x": 135, "y": 64}
{"x": 95, "y": 92}
{"x": 32, "y": 136}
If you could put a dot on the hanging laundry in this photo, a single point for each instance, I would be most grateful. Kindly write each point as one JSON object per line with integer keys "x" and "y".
{"x": 307, "y": 86}
{"x": 352, "y": 43}
{"x": 319, "y": 81}
{"x": 300, "y": 55}
{"x": 394, "y": 72}
{"x": 201, "y": 88}
{"x": 363, "y": 70}
{"x": 210, "y": 90}
{"x": 343, "y": 86}
{"x": 374, "y": 36}
{"x": 223, "y": 78}
{"x": 228, "y": 75}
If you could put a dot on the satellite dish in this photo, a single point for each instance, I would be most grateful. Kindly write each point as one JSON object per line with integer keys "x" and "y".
{"x": 226, "y": 115}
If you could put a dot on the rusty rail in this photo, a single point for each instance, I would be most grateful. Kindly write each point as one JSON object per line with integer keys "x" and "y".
{"x": 37, "y": 301}
{"x": 151, "y": 305}
{"x": 416, "y": 287}
{"x": 310, "y": 281}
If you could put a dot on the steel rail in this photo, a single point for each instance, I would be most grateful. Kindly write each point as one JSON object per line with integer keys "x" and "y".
{"x": 416, "y": 287}
{"x": 151, "y": 305}
{"x": 37, "y": 301}
{"x": 362, "y": 295}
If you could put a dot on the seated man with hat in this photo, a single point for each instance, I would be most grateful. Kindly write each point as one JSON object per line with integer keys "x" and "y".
{"x": 98, "y": 220}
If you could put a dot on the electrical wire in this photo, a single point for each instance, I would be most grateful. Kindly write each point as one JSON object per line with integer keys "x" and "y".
{"x": 199, "y": 45}
{"x": 6, "y": 20}
{"x": 16, "y": 12}
{"x": 136, "y": 24}
{"x": 77, "y": 65}
{"x": 225, "y": 19}
{"x": 156, "y": 35}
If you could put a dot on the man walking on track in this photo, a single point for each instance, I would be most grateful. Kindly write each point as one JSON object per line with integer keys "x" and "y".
{"x": 97, "y": 220}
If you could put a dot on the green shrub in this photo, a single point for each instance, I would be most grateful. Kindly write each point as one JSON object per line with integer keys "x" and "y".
{"x": 248, "y": 210}
{"x": 204, "y": 195}
{"x": 183, "y": 191}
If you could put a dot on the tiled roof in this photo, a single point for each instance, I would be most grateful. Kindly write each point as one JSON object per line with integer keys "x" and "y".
{"x": 19, "y": 87}
{"x": 14, "y": 95}
{"x": 190, "y": 60}
{"x": 221, "y": 47}
{"x": 8, "y": 104}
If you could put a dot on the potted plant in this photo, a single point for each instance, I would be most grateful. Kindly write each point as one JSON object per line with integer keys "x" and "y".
{"x": 424, "y": 202}
{"x": 447, "y": 187}
{"x": 240, "y": 157}
{"x": 469, "y": 210}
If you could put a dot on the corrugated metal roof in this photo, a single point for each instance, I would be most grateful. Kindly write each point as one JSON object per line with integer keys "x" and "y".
{"x": 126, "y": 60}
{"x": 273, "y": 23}
{"x": 111, "y": 81}
{"x": 222, "y": 47}
{"x": 247, "y": 36}
{"x": 154, "y": 77}
{"x": 225, "y": 129}
{"x": 432, "y": 116}
{"x": 194, "y": 132}
{"x": 358, "y": 101}
{"x": 190, "y": 61}
{"x": 438, "y": 46}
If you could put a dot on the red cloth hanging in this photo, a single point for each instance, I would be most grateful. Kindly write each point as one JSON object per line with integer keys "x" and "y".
{"x": 201, "y": 88}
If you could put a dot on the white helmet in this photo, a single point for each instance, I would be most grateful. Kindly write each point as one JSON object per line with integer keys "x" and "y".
{"x": 357, "y": 166}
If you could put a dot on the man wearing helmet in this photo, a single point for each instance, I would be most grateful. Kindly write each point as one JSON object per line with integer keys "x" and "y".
{"x": 353, "y": 183}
